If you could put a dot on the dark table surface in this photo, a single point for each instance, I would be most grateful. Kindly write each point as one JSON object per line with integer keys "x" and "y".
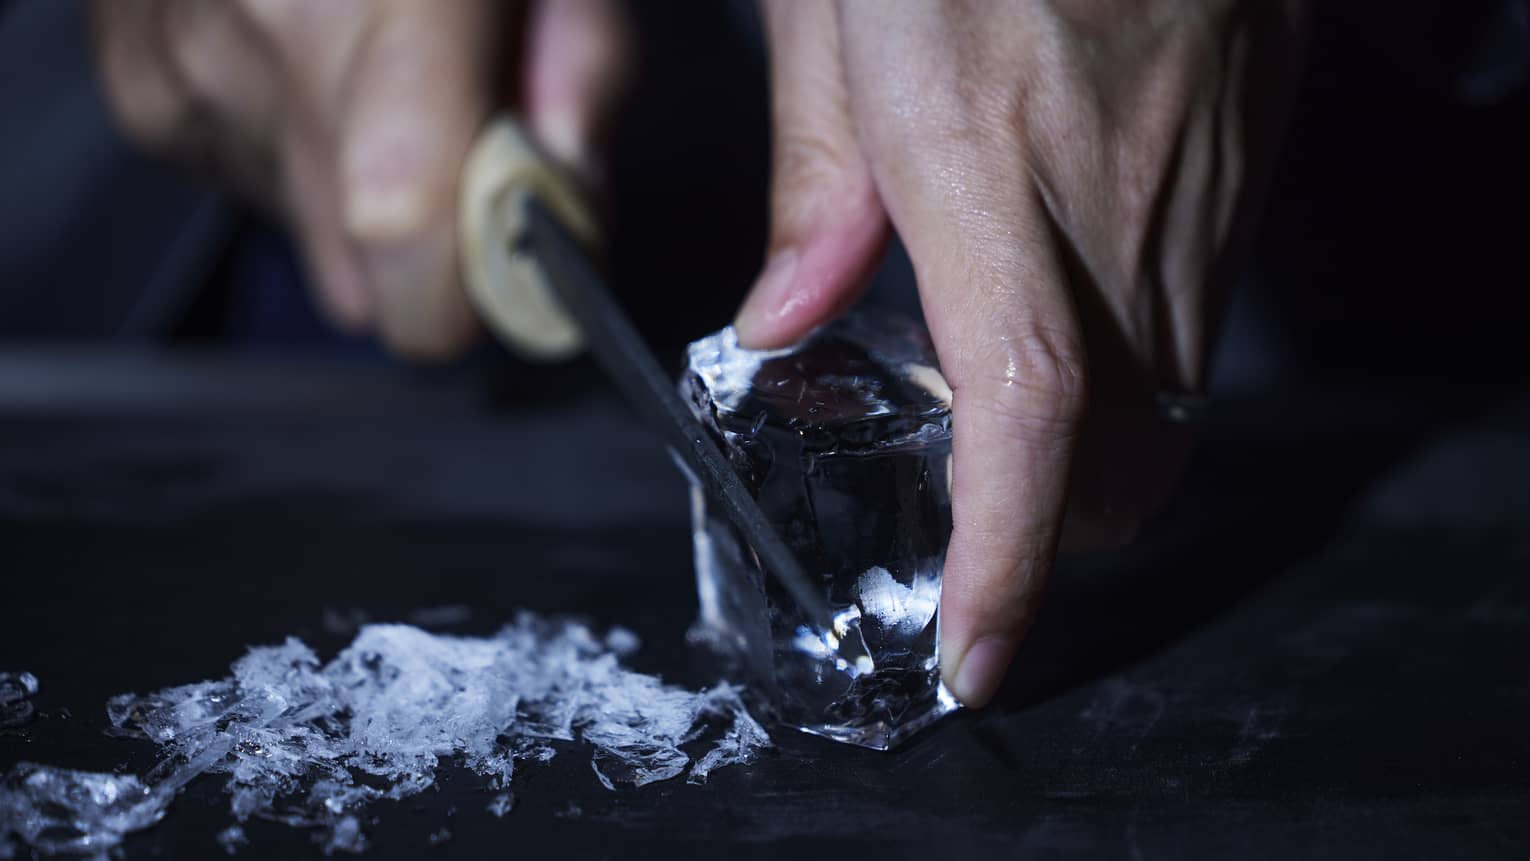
{"x": 1321, "y": 650}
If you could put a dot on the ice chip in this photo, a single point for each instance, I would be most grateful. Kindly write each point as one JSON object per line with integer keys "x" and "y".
{"x": 740, "y": 744}
{"x": 232, "y": 839}
{"x": 59, "y": 810}
{"x": 845, "y": 442}
{"x": 501, "y": 804}
{"x": 15, "y": 691}
{"x": 622, "y": 641}
{"x": 346, "y": 836}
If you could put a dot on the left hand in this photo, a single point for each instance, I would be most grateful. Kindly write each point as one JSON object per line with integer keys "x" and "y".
{"x": 1073, "y": 180}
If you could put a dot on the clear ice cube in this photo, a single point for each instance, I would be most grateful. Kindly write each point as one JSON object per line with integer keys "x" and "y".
{"x": 845, "y": 442}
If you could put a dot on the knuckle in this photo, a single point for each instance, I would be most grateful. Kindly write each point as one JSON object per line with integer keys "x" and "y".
{"x": 804, "y": 155}
{"x": 813, "y": 162}
{"x": 1037, "y": 384}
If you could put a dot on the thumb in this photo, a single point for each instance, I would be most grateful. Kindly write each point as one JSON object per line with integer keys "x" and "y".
{"x": 827, "y": 224}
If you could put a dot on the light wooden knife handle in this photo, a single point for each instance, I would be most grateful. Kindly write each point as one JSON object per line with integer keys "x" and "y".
{"x": 507, "y": 287}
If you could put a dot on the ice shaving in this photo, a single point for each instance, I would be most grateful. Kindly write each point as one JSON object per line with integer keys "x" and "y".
{"x": 311, "y": 744}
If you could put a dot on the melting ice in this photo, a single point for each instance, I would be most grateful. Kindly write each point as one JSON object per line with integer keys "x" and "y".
{"x": 311, "y": 745}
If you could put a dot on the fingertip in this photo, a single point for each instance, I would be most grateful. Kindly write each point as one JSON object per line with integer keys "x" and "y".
{"x": 763, "y": 321}
{"x": 422, "y": 313}
{"x": 346, "y": 304}
{"x": 984, "y": 615}
{"x": 331, "y": 263}
{"x": 974, "y": 677}
{"x": 809, "y": 281}
{"x": 428, "y": 347}
{"x": 799, "y": 291}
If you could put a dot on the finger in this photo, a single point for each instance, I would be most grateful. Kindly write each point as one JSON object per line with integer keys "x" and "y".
{"x": 827, "y": 225}
{"x": 142, "y": 91}
{"x": 311, "y": 189}
{"x": 955, "y": 181}
{"x": 229, "y": 78}
{"x": 579, "y": 69}
{"x": 1008, "y": 339}
{"x": 313, "y": 45}
{"x": 420, "y": 91}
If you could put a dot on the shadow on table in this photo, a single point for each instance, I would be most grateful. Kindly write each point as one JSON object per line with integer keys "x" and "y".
{"x": 1253, "y": 502}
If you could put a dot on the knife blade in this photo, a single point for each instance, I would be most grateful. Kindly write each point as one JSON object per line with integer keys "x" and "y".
{"x": 626, "y": 359}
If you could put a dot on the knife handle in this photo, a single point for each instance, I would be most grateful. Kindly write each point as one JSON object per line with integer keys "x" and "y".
{"x": 509, "y": 287}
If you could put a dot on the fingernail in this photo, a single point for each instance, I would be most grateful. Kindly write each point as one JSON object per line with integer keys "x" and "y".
{"x": 981, "y": 669}
{"x": 767, "y": 299}
{"x": 383, "y": 171}
{"x": 562, "y": 136}
{"x": 384, "y": 211}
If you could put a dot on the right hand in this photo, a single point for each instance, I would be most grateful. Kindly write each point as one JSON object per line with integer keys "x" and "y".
{"x": 351, "y": 118}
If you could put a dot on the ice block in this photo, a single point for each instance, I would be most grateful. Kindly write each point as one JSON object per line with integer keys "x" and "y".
{"x": 845, "y": 442}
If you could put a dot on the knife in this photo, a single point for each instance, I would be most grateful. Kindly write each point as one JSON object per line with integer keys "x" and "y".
{"x": 523, "y": 260}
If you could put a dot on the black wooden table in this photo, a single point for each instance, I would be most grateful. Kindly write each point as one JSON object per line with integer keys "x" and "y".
{"x": 1321, "y": 650}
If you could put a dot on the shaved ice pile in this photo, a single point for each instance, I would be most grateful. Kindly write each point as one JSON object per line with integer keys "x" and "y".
{"x": 311, "y": 745}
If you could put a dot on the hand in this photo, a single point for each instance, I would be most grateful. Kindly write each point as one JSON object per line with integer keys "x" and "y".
{"x": 1073, "y": 181}
{"x": 352, "y": 119}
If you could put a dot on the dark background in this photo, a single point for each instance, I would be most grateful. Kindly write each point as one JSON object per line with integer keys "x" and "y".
{"x": 1320, "y": 649}
{"x": 1391, "y": 245}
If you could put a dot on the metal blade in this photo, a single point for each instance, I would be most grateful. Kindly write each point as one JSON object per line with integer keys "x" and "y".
{"x": 626, "y": 359}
